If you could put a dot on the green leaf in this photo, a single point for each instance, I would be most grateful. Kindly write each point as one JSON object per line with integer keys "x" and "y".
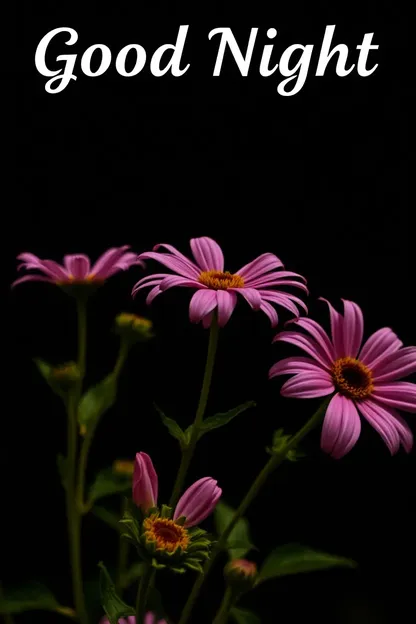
{"x": 97, "y": 400}
{"x": 240, "y": 534}
{"x": 113, "y": 605}
{"x": 219, "y": 420}
{"x": 107, "y": 483}
{"x": 244, "y": 616}
{"x": 109, "y": 517}
{"x": 132, "y": 574}
{"x": 45, "y": 370}
{"x": 31, "y": 598}
{"x": 173, "y": 427}
{"x": 295, "y": 559}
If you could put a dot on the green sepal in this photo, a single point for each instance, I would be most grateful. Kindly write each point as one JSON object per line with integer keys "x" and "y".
{"x": 240, "y": 534}
{"x": 219, "y": 420}
{"x": 244, "y": 616}
{"x": 157, "y": 565}
{"x": 106, "y": 483}
{"x": 173, "y": 428}
{"x": 297, "y": 559}
{"x": 280, "y": 440}
{"x": 181, "y": 520}
{"x": 131, "y": 525}
{"x": 97, "y": 400}
{"x": 114, "y": 607}
{"x": 193, "y": 564}
{"x": 166, "y": 512}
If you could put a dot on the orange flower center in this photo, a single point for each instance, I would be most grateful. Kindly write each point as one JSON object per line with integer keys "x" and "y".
{"x": 352, "y": 378}
{"x": 219, "y": 280}
{"x": 168, "y": 535}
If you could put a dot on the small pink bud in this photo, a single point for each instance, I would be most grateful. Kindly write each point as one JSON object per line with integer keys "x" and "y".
{"x": 198, "y": 501}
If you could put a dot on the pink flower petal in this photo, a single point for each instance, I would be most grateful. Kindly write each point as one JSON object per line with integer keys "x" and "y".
{"x": 379, "y": 345}
{"x": 251, "y": 295}
{"x": 383, "y": 422}
{"x": 263, "y": 264}
{"x": 270, "y": 312}
{"x": 106, "y": 261}
{"x": 293, "y": 365}
{"x": 198, "y": 501}
{"x": 400, "y": 394}
{"x": 308, "y": 385}
{"x": 276, "y": 278}
{"x": 153, "y": 294}
{"x": 173, "y": 263}
{"x": 179, "y": 255}
{"x": 280, "y": 299}
{"x": 31, "y": 278}
{"x": 317, "y": 333}
{"x": 202, "y": 303}
{"x": 153, "y": 282}
{"x": 266, "y": 284}
{"x": 49, "y": 267}
{"x": 226, "y": 302}
{"x": 207, "y": 320}
{"x": 174, "y": 280}
{"x": 353, "y": 328}
{"x": 396, "y": 365}
{"x": 337, "y": 329}
{"x": 307, "y": 344}
{"x": 77, "y": 265}
{"x": 208, "y": 254}
{"x": 341, "y": 428}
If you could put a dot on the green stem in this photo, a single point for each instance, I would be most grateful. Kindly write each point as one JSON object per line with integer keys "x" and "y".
{"x": 188, "y": 452}
{"x": 123, "y": 556}
{"x": 142, "y": 594}
{"x": 224, "y": 610}
{"x": 82, "y": 335}
{"x": 270, "y": 466}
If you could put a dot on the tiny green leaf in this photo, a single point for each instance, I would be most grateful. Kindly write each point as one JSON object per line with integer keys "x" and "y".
{"x": 173, "y": 427}
{"x": 107, "y": 482}
{"x": 29, "y": 598}
{"x": 219, "y": 420}
{"x": 45, "y": 370}
{"x": 113, "y": 605}
{"x": 97, "y": 400}
{"x": 295, "y": 559}
{"x": 239, "y": 535}
{"x": 244, "y": 616}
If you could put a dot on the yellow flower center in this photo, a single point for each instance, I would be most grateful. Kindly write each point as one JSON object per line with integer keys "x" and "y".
{"x": 219, "y": 280}
{"x": 352, "y": 378}
{"x": 168, "y": 535}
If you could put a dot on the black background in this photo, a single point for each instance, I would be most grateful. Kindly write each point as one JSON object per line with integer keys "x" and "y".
{"x": 320, "y": 178}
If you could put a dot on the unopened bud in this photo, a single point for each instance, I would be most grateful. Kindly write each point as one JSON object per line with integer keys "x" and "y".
{"x": 123, "y": 467}
{"x": 64, "y": 377}
{"x": 240, "y": 574}
{"x": 134, "y": 328}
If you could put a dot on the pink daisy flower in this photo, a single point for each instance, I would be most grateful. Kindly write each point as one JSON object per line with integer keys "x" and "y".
{"x": 149, "y": 618}
{"x": 365, "y": 379}
{"x": 258, "y": 282}
{"x": 76, "y": 268}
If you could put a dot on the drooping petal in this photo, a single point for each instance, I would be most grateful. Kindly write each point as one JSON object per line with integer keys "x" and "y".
{"x": 263, "y": 264}
{"x": 379, "y": 345}
{"x": 307, "y": 344}
{"x": 341, "y": 428}
{"x": 399, "y": 394}
{"x": 153, "y": 294}
{"x": 208, "y": 254}
{"x": 145, "y": 482}
{"x": 198, "y": 501}
{"x": 308, "y": 385}
{"x": 172, "y": 262}
{"x": 48, "y": 267}
{"x": 175, "y": 280}
{"x": 395, "y": 365}
{"x": 153, "y": 282}
{"x": 279, "y": 299}
{"x": 251, "y": 295}
{"x": 318, "y": 334}
{"x": 337, "y": 329}
{"x": 207, "y": 320}
{"x": 226, "y": 301}
{"x": 353, "y": 328}
{"x": 202, "y": 303}
{"x": 77, "y": 265}
{"x": 270, "y": 312}
{"x": 31, "y": 278}
{"x": 382, "y": 421}
{"x": 293, "y": 365}
{"x": 106, "y": 261}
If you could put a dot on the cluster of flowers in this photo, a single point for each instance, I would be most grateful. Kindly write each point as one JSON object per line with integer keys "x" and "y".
{"x": 364, "y": 378}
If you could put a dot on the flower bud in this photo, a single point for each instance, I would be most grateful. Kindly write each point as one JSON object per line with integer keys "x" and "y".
{"x": 123, "y": 467}
{"x": 198, "y": 501}
{"x": 133, "y": 328}
{"x": 65, "y": 376}
{"x": 241, "y": 574}
{"x": 145, "y": 483}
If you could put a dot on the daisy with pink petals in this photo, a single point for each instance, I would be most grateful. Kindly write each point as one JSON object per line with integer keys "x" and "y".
{"x": 76, "y": 268}
{"x": 365, "y": 379}
{"x": 149, "y": 618}
{"x": 259, "y": 282}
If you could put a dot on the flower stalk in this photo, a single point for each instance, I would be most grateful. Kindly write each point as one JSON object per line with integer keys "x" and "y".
{"x": 143, "y": 591}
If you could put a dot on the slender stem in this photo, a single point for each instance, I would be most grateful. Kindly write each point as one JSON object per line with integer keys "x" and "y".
{"x": 123, "y": 555}
{"x": 224, "y": 610}
{"x": 270, "y": 466}
{"x": 188, "y": 452}
{"x": 142, "y": 594}
{"x": 82, "y": 334}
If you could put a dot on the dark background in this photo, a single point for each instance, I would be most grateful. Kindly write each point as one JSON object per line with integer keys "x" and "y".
{"x": 320, "y": 178}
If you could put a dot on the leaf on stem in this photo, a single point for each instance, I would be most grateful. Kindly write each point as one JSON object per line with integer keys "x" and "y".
{"x": 238, "y": 542}
{"x": 107, "y": 482}
{"x": 295, "y": 559}
{"x": 219, "y": 420}
{"x": 97, "y": 400}
{"x": 173, "y": 428}
{"x": 244, "y": 616}
{"x": 114, "y": 607}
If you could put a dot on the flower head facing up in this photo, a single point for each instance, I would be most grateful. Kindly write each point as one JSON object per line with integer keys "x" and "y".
{"x": 241, "y": 574}
{"x": 76, "y": 269}
{"x": 167, "y": 537}
{"x": 365, "y": 379}
{"x": 259, "y": 282}
{"x": 149, "y": 618}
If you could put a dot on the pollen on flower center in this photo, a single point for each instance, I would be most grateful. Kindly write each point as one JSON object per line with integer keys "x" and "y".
{"x": 219, "y": 280}
{"x": 352, "y": 378}
{"x": 166, "y": 534}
